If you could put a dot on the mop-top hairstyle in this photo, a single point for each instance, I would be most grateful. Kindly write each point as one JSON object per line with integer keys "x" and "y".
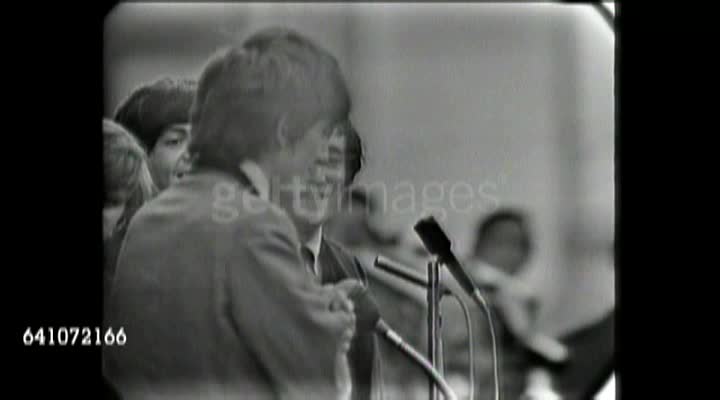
{"x": 153, "y": 107}
{"x": 245, "y": 91}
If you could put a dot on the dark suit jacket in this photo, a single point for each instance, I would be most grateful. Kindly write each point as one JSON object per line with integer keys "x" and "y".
{"x": 337, "y": 264}
{"x": 591, "y": 360}
{"x": 215, "y": 301}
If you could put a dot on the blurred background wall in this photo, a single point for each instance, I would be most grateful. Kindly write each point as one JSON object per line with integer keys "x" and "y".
{"x": 504, "y": 104}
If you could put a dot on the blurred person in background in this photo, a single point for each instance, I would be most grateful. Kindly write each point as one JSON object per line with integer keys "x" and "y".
{"x": 210, "y": 283}
{"x": 329, "y": 262}
{"x": 353, "y": 226}
{"x": 158, "y": 113}
{"x": 502, "y": 249}
{"x": 128, "y": 185}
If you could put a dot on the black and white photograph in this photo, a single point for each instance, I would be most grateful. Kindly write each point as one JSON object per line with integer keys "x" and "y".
{"x": 357, "y": 201}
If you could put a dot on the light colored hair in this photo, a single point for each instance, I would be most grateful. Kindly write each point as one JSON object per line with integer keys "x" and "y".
{"x": 126, "y": 173}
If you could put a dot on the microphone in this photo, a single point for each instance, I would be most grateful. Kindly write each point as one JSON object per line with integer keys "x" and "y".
{"x": 438, "y": 244}
{"x": 367, "y": 318}
{"x": 403, "y": 272}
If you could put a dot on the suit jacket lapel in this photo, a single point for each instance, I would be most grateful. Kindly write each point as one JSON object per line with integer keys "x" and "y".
{"x": 246, "y": 183}
{"x": 331, "y": 267}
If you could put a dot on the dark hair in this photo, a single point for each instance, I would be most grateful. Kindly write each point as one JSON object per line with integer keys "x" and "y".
{"x": 503, "y": 215}
{"x": 363, "y": 197}
{"x": 354, "y": 155}
{"x": 245, "y": 90}
{"x": 153, "y": 107}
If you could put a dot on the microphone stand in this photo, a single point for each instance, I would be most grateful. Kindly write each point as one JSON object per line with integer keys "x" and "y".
{"x": 434, "y": 323}
{"x": 433, "y": 366}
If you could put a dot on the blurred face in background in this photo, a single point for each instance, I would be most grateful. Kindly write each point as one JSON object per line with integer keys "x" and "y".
{"x": 348, "y": 226}
{"x": 168, "y": 159}
{"x": 505, "y": 245}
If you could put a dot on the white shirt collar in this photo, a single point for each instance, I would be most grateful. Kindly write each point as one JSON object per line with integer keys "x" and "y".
{"x": 257, "y": 178}
{"x": 314, "y": 246}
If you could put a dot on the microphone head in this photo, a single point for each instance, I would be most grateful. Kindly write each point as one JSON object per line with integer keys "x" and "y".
{"x": 438, "y": 244}
{"x": 435, "y": 240}
{"x": 366, "y": 311}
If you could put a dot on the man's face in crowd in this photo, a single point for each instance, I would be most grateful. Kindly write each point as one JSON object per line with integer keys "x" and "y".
{"x": 505, "y": 246}
{"x": 318, "y": 194}
{"x": 169, "y": 159}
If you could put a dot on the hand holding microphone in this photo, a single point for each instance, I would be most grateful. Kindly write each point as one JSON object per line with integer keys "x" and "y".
{"x": 342, "y": 302}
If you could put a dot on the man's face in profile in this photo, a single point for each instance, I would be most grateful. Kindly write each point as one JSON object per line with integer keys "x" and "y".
{"x": 168, "y": 159}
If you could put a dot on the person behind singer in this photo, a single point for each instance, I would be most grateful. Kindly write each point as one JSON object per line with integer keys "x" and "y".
{"x": 210, "y": 285}
{"x": 327, "y": 261}
{"x": 158, "y": 113}
{"x": 158, "y": 116}
{"x": 128, "y": 185}
{"x": 127, "y": 180}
